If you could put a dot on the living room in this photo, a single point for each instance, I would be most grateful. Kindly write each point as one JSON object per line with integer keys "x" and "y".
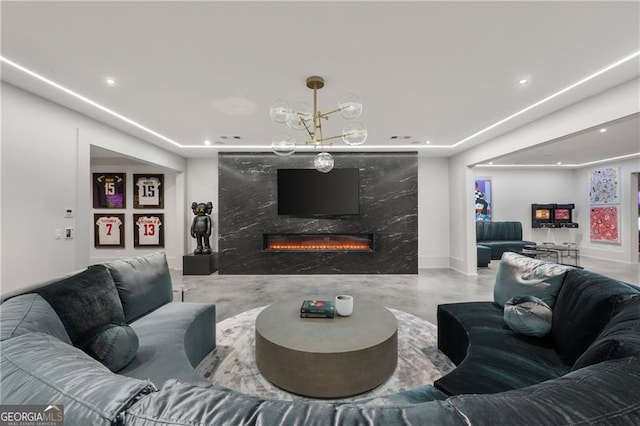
{"x": 71, "y": 186}
{"x": 445, "y": 176}
{"x": 456, "y": 99}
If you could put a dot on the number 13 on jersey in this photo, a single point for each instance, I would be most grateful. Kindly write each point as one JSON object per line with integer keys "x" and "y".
{"x": 149, "y": 230}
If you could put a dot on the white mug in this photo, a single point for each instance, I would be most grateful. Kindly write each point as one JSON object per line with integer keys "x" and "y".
{"x": 344, "y": 305}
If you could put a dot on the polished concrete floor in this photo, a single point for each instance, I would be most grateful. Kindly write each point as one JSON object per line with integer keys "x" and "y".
{"x": 416, "y": 294}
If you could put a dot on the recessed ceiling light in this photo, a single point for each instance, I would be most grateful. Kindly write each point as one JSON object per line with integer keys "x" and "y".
{"x": 491, "y": 163}
{"x": 559, "y": 163}
{"x": 110, "y": 81}
{"x": 428, "y": 142}
{"x": 523, "y": 81}
{"x": 89, "y": 101}
{"x": 548, "y": 98}
{"x": 207, "y": 142}
{"x": 603, "y": 130}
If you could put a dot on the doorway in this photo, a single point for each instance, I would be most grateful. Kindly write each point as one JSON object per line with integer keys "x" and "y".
{"x": 636, "y": 205}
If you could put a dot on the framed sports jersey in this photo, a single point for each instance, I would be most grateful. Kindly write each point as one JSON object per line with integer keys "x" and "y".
{"x": 109, "y": 190}
{"x": 148, "y": 230}
{"x": 109, "y": 230}
{"x": 148, "y": 191}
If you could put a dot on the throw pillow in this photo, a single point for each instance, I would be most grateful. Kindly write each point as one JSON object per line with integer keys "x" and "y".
{"x": 143, "y": 282}
{"x": 528, "y": 315}
{"x": 113, "y": 345}
{"x": 85, "y": 300}
{"x": 518, "y": 275}
{"x": 28, "y": 313}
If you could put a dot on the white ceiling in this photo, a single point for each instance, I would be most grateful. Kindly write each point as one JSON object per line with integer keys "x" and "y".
{"x": 426, "y": 71}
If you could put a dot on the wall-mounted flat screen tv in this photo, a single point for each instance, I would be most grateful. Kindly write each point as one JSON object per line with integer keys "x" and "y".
{"x": 308, "y": 192}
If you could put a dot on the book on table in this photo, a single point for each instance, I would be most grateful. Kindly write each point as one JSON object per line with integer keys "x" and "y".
{"x": 317, "y": 309}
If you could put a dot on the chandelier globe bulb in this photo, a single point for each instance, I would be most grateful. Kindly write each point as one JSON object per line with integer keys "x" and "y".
{"x": 323, "y": 162}
{"x": 354, "y": 133}
{"x": 283, "y": 145}
{"x": 278, "y": 111}
{"x": 350, "y": 106}
{"x": 299, "y": 114}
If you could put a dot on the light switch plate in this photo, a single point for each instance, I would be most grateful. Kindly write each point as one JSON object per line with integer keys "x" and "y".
{"x": 69, "y": 233}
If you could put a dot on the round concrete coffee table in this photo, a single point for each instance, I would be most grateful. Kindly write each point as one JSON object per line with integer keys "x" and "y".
{"x": 326, "y": 358}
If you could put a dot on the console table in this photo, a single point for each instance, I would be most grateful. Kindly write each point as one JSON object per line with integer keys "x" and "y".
{"x": 326, "y": 358}
{"x": 565, "y": 254}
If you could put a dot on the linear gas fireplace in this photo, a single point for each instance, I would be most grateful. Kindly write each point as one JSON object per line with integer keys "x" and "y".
{"x": 318, "y": 242}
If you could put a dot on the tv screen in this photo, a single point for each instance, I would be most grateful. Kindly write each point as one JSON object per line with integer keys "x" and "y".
{"x": 308, "y": 192}
{"x": 543, "y": 214}
{"x": 563, "y": 214}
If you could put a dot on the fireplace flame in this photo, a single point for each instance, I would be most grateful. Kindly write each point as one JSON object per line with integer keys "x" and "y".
{"x": 318, "y": 242}
{"x": 319, "y": 246}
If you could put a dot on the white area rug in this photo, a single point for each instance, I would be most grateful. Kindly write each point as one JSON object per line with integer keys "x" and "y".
{"x": 232, "y": 364}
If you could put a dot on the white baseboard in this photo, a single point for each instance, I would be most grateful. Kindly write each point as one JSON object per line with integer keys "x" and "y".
{"x": 433, "y": 262}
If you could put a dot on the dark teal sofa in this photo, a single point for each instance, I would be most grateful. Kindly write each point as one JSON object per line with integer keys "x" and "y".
{"x": 500, "y": 237}
{"x": 585, "y": 371}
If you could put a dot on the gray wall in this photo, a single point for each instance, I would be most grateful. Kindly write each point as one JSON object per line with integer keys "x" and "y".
{"x": 247, "y": 200}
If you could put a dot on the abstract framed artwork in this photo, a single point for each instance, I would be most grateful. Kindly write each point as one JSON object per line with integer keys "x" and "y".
{"x": 604, "y": 186}
{"x": 483, "y": 199}
{"x": 108, "y": 230}
{"x": 148, "y": 191}
{"x": 148, "y": 230}
{"x": 604, "y": 224}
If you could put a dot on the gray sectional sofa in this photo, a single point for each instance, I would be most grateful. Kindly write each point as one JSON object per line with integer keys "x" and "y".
{"x": 147, "y": 377}
{"x": 141, "y": 336}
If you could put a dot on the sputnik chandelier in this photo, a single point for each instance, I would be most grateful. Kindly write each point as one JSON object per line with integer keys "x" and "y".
{"x": 299, "y": 116}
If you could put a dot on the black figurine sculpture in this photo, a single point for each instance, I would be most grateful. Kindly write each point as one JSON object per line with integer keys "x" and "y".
{"x": 201, "y": 226}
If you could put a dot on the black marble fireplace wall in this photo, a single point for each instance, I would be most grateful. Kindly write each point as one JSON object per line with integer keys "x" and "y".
{"x": 247, "y": 203}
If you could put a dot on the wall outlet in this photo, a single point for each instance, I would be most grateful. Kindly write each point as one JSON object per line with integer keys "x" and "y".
{"x": 68, "y": 212}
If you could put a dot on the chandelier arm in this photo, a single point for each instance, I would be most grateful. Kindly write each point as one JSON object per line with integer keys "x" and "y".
{"x": 316, "y": 120}
{"x": 326, "y": 115}
{"x": 319, "y": 132}
{"x": 311, "y": 134}
{"x": 329, "y": 138}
